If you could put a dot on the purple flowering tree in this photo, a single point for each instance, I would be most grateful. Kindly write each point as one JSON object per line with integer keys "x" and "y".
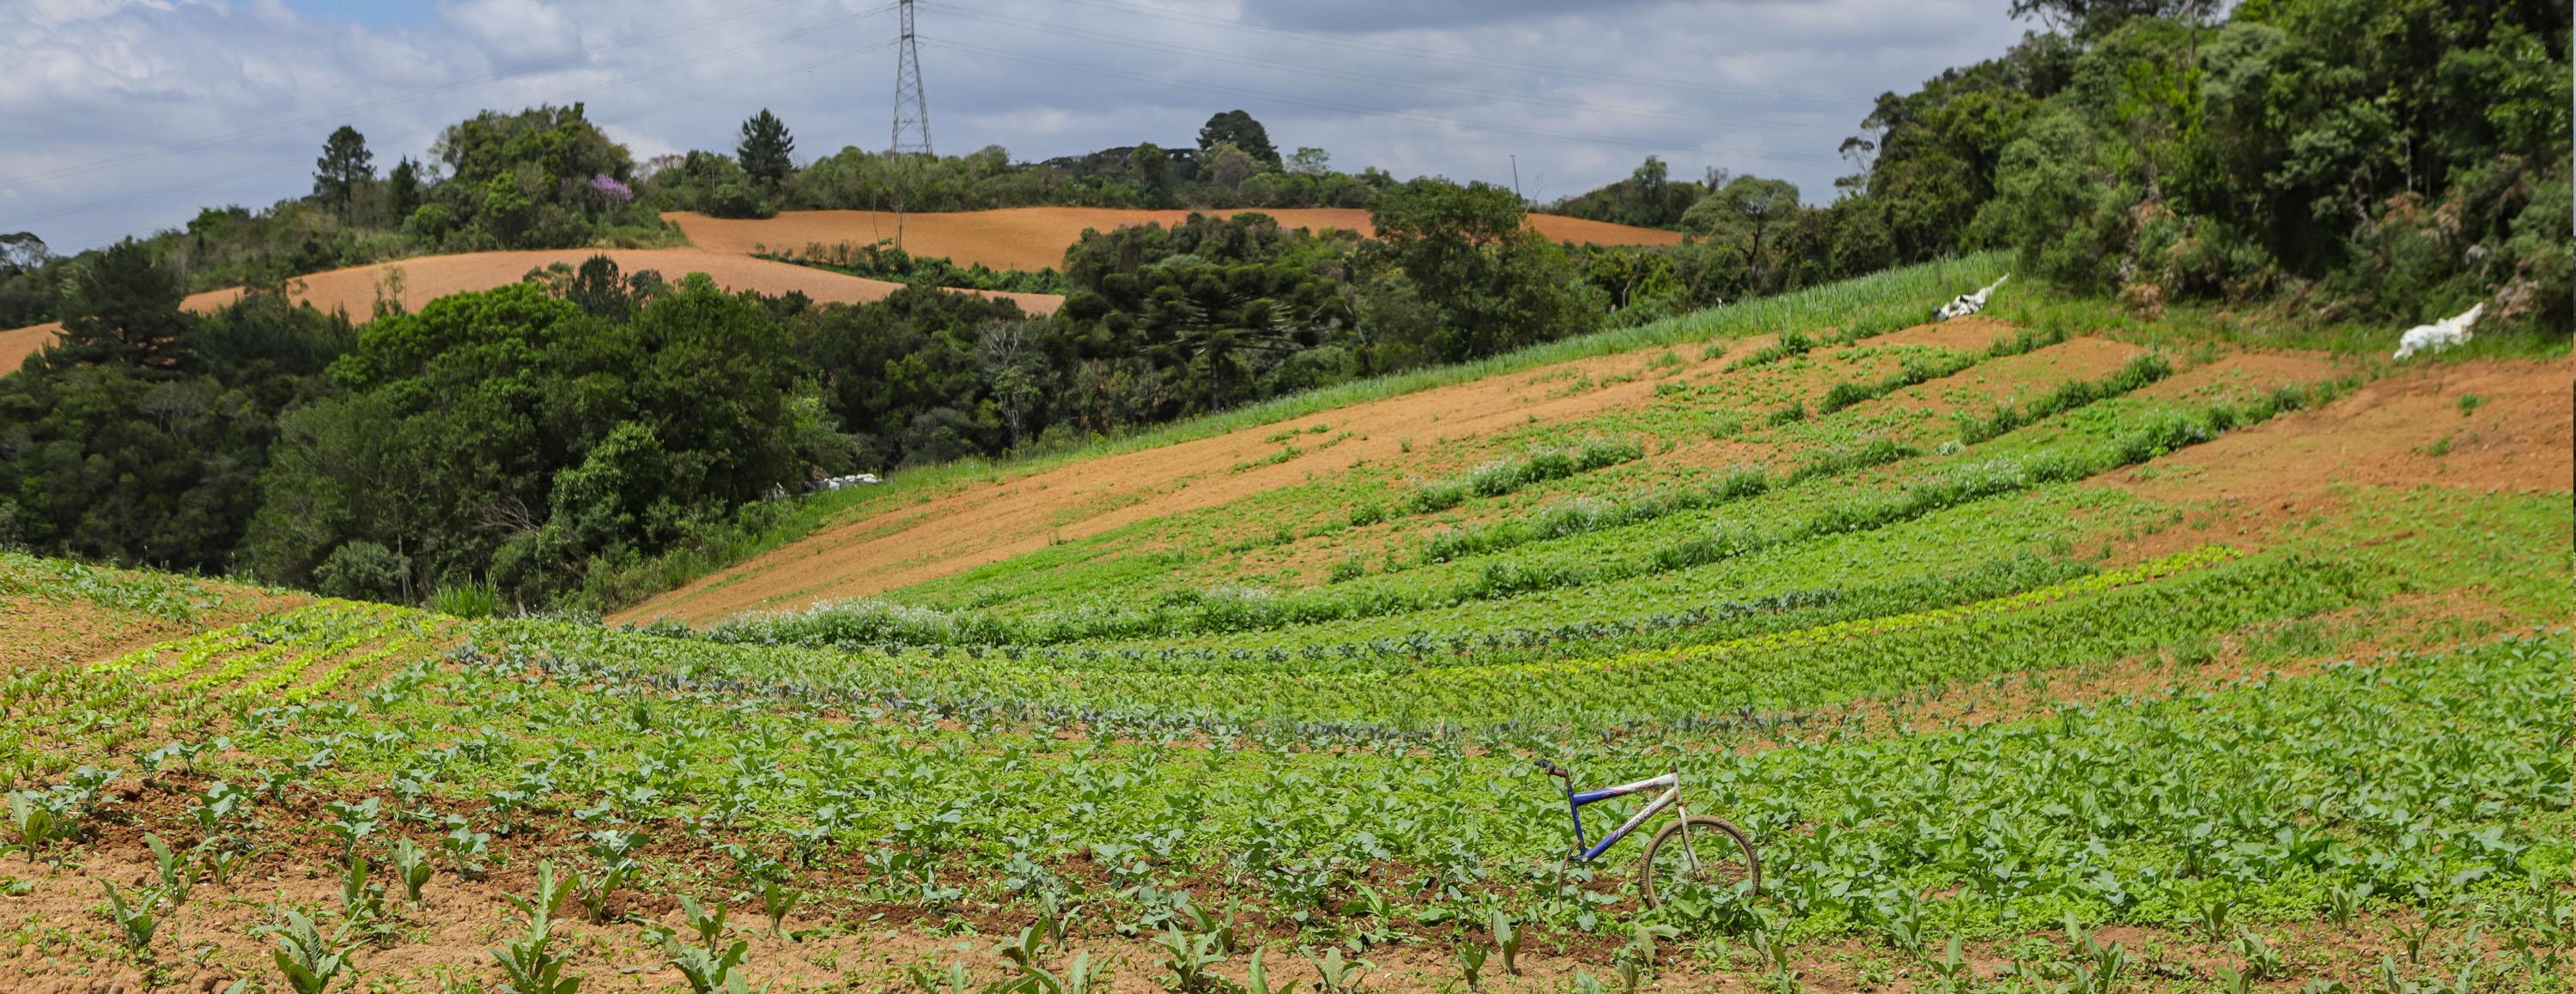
{"x": 609, "y": 188}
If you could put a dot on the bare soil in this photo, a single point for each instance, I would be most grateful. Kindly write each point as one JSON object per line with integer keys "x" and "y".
{"x": 1033, "y": 238}
{"x": 2405, "y": 430}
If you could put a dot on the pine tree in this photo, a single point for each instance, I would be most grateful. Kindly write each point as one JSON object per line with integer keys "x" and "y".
{"x": 765, "y": 148}
{"x": 344, "y": 164}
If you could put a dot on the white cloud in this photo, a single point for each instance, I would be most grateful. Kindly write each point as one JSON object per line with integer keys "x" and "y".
{"x": 121, "y": 116}
{"x": 516, "y": 32}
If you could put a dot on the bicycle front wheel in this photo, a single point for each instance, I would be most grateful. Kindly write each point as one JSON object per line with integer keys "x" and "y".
{"x": 1716, "y": 856}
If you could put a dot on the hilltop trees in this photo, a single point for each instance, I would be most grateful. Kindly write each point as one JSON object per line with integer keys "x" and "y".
{"x": 345, "y": 166}
{"x": 765, "y": 149}
{"x": 1237, "y": 128}
{"x": 544, "y": 177}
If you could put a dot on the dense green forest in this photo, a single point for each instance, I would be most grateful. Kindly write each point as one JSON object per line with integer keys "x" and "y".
{"x": 2377, "y": 160}
{"x": 2360, "y": 160}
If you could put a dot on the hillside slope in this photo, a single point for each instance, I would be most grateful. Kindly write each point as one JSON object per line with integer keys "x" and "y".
{"x": 1238, "y": 489}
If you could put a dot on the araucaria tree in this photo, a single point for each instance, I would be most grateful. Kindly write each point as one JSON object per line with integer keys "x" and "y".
{"x": 1238, "y": 129}
{"x": 766, "y": 148}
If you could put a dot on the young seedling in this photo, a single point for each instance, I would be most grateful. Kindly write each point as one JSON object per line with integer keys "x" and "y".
{"x": 412, "y": 866}
{"x": 596, "y": 890}
{"x": 710, "y": 925}
{"x": 707, "y": 971}
{"x": 464, "y": 847}
{"x": 529, "y": 963}
{"x": 1507, "y": 939}
{"x": 776, "y": 900}
{"x": 177, "y": 877}
{"x": 135, "y": 921}
{"x": 361, "y": 900}
{"x": 213, "y": 814}
{"x": 1636, "y": 960}
{"x": 309, "y": 959}
{"x": 1471, "y": 964}
{"x": 1189, "y": 957}
{"x": 353, "y": 824}
{"x": 31, "y": 823}
{"x": 1334, "y": 975}
{"x": 1256, "y": 978}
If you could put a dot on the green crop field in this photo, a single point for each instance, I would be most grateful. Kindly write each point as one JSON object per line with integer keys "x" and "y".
{"x": 2042, "y": 652}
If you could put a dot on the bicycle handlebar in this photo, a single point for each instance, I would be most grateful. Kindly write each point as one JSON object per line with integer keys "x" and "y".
{"x": 1551, "y": 769}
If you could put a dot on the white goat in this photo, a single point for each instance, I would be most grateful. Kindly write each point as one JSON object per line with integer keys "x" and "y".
{"x": 1967, "y": 303}
{"x": 2440, "y": 334}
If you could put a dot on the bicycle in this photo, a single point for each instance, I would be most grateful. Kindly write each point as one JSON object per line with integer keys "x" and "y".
{"x": 1732, "y": 863}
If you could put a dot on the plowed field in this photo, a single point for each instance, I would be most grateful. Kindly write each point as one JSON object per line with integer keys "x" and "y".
{"x": 1036, "y": 237}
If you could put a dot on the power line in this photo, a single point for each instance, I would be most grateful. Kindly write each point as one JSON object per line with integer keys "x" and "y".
{"x": 1416, "y": 51}
{"x": 1249, "y": 60}
{"x": 1371, "y": 111}
{"x": 353, "y": 110}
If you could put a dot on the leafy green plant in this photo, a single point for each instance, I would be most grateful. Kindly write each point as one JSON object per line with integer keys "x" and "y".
{"x": 360, "y": 900}
{"x": 178, "y": 876}
{"x": 529, "y": 963}
{"x": 31, "y": 822}
{"x": 777, "y": 900}
{"x": 136, "y": 921}
{"x": 1188, "y": 956}
{"x": 708, "y": 971}
{"x": 615, "y": 851}
{"x": 352, "y": 823}
{"x": 309, "y": 959}
{"x": 413, "y": 867}
{"x": 1507, "y": 940}
{"x": 1335, "y": 975}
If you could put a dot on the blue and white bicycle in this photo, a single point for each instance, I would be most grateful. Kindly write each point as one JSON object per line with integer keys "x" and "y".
{"x": 1692, "y": 851}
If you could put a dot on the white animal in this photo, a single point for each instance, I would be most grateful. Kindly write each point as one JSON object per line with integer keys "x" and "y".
{"x": 1967, "y": 303}
{"x": 838, "y": 482}
{"x": 2440, "y": 334}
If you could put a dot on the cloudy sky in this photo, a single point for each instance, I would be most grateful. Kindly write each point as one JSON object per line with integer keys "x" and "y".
{"x": 125, "y": 116}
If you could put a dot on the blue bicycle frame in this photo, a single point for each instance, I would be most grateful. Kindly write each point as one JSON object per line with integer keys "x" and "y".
{"x": 1671, "y": 798}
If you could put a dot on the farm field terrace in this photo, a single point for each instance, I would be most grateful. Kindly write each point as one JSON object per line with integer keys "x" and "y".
{"x": 2038, "y": 652}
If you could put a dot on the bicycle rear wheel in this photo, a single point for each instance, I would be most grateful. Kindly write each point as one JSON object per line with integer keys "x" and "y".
{"x": 1717, "y": 856}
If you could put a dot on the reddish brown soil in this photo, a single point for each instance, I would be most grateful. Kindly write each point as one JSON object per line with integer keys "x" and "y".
{"x": 2523, "y": 436}
{"x": 1036, "y": 237}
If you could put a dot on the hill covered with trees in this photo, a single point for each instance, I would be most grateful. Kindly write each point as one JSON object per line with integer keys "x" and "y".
{"x": 2378, "y": 160}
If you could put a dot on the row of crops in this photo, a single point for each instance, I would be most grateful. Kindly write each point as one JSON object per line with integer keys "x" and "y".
{"x": 1956, "y": 725}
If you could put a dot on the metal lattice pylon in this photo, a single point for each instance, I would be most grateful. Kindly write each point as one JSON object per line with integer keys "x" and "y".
{"x": 911, "y": 110}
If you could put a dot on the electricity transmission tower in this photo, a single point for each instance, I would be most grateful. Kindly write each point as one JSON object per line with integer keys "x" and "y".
{"x": 911, "y": 111}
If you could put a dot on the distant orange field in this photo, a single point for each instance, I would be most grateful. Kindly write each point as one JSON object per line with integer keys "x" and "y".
{"x": 1036, "y": 237}
{"x": 428, "y": 278}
